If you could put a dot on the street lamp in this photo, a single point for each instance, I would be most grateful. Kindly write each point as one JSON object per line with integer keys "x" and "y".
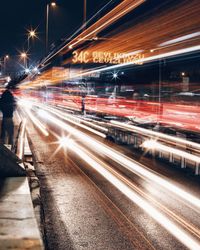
{"x": 84, "y": 14}
{"x": 53, "y": 4}
{"x": 31, "y": 35}
{"x": 6, "y": 57}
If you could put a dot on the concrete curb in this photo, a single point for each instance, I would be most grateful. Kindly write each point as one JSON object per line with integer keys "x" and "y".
{"x": 18, "y": 226}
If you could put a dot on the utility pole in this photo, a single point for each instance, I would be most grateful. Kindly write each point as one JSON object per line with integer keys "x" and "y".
{"x": 84, "y": 14}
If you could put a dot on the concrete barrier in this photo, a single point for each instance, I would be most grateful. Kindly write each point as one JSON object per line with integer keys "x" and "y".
{"x": 10, "y": 163}
{"x": 18, "y": 226}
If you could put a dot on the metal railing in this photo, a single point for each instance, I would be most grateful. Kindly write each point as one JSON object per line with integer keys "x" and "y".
{"x": 172, "y": 148}
{"x": 20, "y": 141}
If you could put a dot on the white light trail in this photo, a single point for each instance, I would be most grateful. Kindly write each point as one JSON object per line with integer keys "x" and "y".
{"x": 182, "y": 236}
{"x": 152, "y": 144}
{"x": 25, "y": 103}
{"x": 147, "y": 59}
{"x": 27, "y": 106}
{"x": 125, "y": 161}
{"x": 95, "y": 126}
{"x": 79, "y": 120}
{"x": 155, "y": 134}
{"x": 71, "y": 119}
{"x": 38, "y": 124}
{"x": 65, "y": 141}
{"x": 109, "y": 21}
{"x": 180, "y": 39}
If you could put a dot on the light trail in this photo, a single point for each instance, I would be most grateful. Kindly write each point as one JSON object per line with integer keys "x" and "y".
{"x": 37, "y": 123}
{"x": 156, "y": 134}
{"x": 149, "y": 35}
{"x": 82, "y": 120}
{"x": 76, "y": 32}
{"x": 140, "y": 61}
{"x": 180, "y": 234}
{"x": 125, "y": 161}
{"x": 176, "y": 231}
{"x": 113, "y": 67}
{"x": 111, "y": 19}
{"x": 71, "y": 119}
{"x": 27, "y": 105}
{"x": 118, "y": 12}
{"x": 180, "y": 39}
{"x": 152, "y": 144}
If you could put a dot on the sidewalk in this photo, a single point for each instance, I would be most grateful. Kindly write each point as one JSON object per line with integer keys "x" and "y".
{"x": 18, "y": 225}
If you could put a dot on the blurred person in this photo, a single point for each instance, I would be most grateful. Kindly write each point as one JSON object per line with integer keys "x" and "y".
{"x": 83, "y": 104}
{"x": 7, "y": 107}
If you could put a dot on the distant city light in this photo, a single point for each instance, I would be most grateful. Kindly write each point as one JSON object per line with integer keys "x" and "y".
{"x": 115, "y": 75}
{"x": 23, "y": 55}
{"x": 27, "y": 71}
{"x": 32, "y": 33}
{"x": 35, "y": 69}
{"x": 53, "y": 4}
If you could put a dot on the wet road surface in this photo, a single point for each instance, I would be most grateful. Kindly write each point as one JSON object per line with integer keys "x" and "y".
{"x": 93, "y": 199}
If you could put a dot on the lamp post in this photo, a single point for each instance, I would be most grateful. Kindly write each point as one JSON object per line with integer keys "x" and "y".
{"x": 31, "y": 35}
{"x": 4, "y": 63}
{"x": 24, "y": 58}
{"x": 53, "y": 4}
{"x": 84, "y": 14}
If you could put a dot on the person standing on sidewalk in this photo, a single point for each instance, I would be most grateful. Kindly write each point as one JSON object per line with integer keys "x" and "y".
{"x": 7, "y": 107}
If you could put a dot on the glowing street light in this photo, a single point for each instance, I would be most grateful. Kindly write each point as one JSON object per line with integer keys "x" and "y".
{"x": 53, "y": 4}
{"x": 115, "y": 75}
{"x": 23, "y": 55}
{"x": 35, "y": 69}
{"x": 32, "y": 33}
{"x": 27, "y": 70}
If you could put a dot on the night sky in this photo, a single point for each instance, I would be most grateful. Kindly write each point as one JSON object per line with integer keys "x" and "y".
{"x": 18, "y": 15}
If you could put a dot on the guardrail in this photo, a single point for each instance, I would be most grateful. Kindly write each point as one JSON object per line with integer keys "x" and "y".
{"x": 174, "y": 149}
{"x": 20, "y": 141}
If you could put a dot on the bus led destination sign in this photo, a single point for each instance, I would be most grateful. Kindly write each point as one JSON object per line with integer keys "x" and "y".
{"x": 105, "y": 57}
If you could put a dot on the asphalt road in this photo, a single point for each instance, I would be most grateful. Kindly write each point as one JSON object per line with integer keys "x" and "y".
{"x": 96, "y": 195}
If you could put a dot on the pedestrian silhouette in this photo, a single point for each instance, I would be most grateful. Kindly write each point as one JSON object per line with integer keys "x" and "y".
{"x": 7, "y": 107}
